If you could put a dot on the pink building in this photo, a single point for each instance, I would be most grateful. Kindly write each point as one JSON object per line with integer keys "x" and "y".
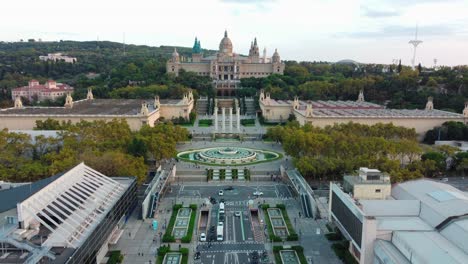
{"x": 49, "y": 90}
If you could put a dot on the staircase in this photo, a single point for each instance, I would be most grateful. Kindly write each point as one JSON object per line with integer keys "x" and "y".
{"x": 249, "y": 106}
{"x": 202, "y": 106}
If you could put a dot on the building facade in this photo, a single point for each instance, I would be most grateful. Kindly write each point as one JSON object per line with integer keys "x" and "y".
{"x": 50, "y": 90}
{"x": 226, "y": 68}
{"x": 421, "y": 221}
{"x": 325, "y": 113}
{"x": 71, "y": 217}
{"x": 135, "y": 111}
{"x": 57, "y": 57}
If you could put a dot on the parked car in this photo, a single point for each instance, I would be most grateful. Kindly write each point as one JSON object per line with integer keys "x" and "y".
{"x": 238, "y": 213}
{"x": 229, "y": 188}
{"x": 258, "y": 193}
{"x": 203, "y": 237}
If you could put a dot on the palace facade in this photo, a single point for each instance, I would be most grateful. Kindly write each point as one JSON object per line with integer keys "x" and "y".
{"x": 324, "y": 113}
{"x": 226, "y": 68}
{"x": 136, "y": 112}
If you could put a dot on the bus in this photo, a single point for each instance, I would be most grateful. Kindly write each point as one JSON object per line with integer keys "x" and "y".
{"x": 220, "y": 233}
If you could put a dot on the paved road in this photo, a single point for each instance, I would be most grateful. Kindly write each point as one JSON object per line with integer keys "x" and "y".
{"x": 240, "y": 193}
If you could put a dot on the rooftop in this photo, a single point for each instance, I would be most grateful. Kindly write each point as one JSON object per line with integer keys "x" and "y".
{"x": 365, "y": 109}
{"x": 111, "y": 107}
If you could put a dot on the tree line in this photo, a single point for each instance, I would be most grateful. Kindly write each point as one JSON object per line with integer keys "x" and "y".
{"x": 328, "y": 153}
{"x": 109, "y": 147}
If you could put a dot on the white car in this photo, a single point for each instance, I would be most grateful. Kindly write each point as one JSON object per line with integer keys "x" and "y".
{"x": 220, "y": 224}
{"x": 203, "y": 237}
{"x": 220, "y": 193}
{"x": 238, "y": 213}
{"x": 258, "y": 193}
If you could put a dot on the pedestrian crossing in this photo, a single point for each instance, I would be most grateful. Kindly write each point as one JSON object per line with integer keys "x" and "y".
{"x": 247, "y": 242}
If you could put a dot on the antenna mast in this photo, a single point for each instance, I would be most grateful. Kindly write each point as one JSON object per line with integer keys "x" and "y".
{"x": 123, "y": 44}
{"x": 415, "y": 42}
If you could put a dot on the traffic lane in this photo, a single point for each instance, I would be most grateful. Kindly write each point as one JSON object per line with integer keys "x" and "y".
{"x": 238, "y": 193}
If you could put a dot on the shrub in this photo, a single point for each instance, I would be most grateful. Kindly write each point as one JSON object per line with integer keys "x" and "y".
{"x": 115, "y": 257}
{"x": 292, "y": 237}
{"x": 334, "y": 236}
{"x": 277, "y": 248}
{"x": 167, "y": 237}
{"x": 184, "y": 251}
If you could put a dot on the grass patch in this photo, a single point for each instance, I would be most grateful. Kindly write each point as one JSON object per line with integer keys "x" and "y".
{"x": 292, "y": 233}
{"x": 163, "y": 250}
{"x": 188, "y": 237}
{"x": 248, "y": 122}
{"x": 168, "y": 237}
{"x": 271, "y": 234}
{"x": 299, "y": 250}
{"x": 205, "y": 122}
{"x": 185, "y": 158}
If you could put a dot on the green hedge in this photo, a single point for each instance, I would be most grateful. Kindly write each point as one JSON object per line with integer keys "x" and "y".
{"x": 248, "y": 122}
{"x": 222, "y": 174}
{"x": 271, "y": 234}
{"x": 247, "y": 174}
{"x": 168, "y": 237}
{"x": 205, "y": 122}
{"x": 188, "y": 237}
{"x": 299, "y": 250}
{"x": 115, "y": 257}
{"x": 292, "y": 233}
{"x": 163, "y": 250}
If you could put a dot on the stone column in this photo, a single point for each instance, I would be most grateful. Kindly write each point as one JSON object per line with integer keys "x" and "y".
{"x": 230, "y": 119}
{"x": 224, "y": 118}
{"x": 216, "y": 118}
{"x": 238, "y": 118}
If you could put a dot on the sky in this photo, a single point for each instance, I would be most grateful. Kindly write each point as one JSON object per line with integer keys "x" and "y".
{"x": 369, "y": 31}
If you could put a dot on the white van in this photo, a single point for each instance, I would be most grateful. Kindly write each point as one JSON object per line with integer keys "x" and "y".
{"x": 221, "y": 208}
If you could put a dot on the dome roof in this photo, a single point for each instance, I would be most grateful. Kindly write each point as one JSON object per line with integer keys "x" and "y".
{"x": 225, "y": 46}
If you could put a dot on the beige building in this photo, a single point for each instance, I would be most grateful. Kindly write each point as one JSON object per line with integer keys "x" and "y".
{"x": 50, "y": 90}
{"x": 324, "y": 113}
{"x": 135, "y": 111}
{"x": 58, "y": 57}
{"x": 227, "y": 68}
{"x": 369, "y": 184}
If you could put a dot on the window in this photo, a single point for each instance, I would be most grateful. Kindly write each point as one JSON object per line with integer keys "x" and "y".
{"x": 378, "y": 190}
{"x": 225, "y": 76}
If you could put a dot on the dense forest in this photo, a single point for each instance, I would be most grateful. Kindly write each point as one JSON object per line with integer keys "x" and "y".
{"x": 139, "y": 72}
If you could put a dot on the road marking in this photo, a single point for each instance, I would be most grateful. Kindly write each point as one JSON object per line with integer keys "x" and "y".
{"x": 242, "y": 227}
{"x": 234, "y": 227}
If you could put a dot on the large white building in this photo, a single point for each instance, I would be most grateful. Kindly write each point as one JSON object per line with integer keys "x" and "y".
{"x": 421, "y": 221}
{"x": 71, "y": 217}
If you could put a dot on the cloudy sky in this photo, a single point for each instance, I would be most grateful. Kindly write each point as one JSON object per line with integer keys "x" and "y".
{"x": 364, "y": 30}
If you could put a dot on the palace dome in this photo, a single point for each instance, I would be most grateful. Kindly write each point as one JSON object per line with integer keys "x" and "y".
{"x": 225, "y": 46}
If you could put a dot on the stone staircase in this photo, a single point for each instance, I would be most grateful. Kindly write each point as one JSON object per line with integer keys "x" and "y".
{"x": 249, "y": 106}
{"x": 202, "y": 106}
